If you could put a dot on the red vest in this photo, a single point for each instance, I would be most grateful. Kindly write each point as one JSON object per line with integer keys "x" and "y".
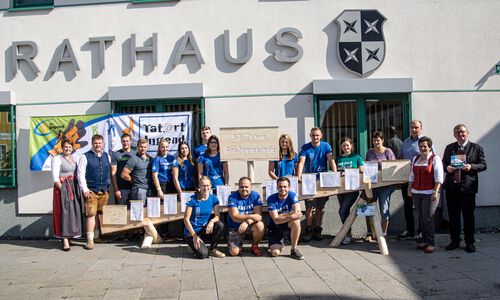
{"x": 423, "y": 175}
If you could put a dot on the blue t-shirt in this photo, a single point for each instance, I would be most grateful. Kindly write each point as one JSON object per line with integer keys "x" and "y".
{"x": 186, "y": 174}
{"x": 244, "y": 206}
{"x": 212, "y": 167}
{"x": 282, "y": 206}
{"x": 285, "y": 167}
{"x": 199, "y": 150}
{"x": 201, "y": 212}
{"x": 316, "y": 160}
{"x": 163, "y": 166}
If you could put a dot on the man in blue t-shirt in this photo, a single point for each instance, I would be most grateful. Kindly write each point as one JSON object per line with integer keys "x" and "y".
{"x": 205, "y": 133}
{"x": 245, "y": 216}
{"x": 284, "y": 210}
{"x": 315, "y": 157}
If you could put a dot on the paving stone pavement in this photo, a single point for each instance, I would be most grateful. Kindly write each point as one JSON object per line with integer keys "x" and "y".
{"x": 41, "y": 270}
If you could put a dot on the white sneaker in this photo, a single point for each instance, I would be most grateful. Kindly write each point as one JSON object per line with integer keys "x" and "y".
{"x": 347, "y": 240}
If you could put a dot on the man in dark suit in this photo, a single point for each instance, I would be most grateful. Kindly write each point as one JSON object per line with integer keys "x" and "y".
{"x": 461, "y": 185}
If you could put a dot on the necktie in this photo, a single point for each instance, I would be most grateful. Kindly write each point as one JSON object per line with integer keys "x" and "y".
{"x": 457, "y": 174}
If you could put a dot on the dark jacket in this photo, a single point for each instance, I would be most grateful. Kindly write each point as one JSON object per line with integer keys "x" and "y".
{"x": 469, "y": 181}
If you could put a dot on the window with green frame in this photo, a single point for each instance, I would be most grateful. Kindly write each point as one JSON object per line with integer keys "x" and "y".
{"x": 7, "y": 146}
{"x": 196, "y": 106}
{"x": 32, "y": 3}
{"x": 358, "y": 116}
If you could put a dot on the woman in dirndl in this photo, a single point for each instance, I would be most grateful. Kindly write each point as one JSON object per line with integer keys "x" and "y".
{"x": 66, "y": 212}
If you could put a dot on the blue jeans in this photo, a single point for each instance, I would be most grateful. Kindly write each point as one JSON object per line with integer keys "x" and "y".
{"x": 345, "y": 203}
{"x": 383, "y": 195}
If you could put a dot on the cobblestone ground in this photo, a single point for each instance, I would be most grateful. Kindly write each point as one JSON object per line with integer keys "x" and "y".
{"x": 41, "y": 270}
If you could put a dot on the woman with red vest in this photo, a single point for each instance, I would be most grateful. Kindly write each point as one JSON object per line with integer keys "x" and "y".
{"x": 426, "y": 177}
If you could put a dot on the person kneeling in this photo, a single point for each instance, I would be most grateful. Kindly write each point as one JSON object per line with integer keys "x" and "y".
{"x": 198, "y": 224}
{"x": 284, "y": 210}
{"x": 245, "y": 216}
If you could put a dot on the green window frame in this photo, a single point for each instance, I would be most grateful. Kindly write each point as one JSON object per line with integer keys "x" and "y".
{"x": 195, "y": 105}
{"x": 360, "y": 103}
{"x": 8, "y": 137}
{"x": 38, "y": 4}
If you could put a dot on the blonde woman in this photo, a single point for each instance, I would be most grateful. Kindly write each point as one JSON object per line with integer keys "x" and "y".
{"x": 287, "y": 164}
{"x": 162, "y": 170}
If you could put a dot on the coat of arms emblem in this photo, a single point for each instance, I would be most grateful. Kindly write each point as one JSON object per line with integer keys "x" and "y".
{"x": 361, "y": 44}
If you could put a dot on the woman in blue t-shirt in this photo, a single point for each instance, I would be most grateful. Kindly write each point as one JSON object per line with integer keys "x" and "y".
{"x": 347, "y": 160}
{"x": 287, "y": 164}
{"x": 209, "y": 163}
{"x": 199, "y": 227}
{"x": 162, "y": 170}
{"x": 183, "y": 169}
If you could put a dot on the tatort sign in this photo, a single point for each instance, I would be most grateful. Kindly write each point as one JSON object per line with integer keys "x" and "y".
{"x": 25, "y": 52}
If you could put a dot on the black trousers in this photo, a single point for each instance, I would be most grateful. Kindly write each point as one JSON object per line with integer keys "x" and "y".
{"x": 408, "y": 209}
{"x": 461, "y": 204}
{"x": 214, "y": 237}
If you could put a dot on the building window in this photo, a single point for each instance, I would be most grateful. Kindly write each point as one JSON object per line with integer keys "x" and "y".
{"x": 170, "y": 105}
{"x": 358, "y": 116}
{"x": 32, "y": 3}
{"x": 7, "y": 147}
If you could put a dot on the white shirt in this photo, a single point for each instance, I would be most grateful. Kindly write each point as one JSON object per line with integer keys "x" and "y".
{"x": 438, "y": 172}
{"x": 82, "y": 167}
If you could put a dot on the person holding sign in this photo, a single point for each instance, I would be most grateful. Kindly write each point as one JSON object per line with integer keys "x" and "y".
{"x": 284, "y": 210}
{"x": 209, "y": 163}
{"x": 162, "y": 170}
{"x": 462, "y": 184}
{"x": 315, "y": 157}
{"x": 245, "y": 216}
{"x": 347, "y": 160}
{"x": 288, "y": 159}
{"x": 198, "y": 224}
{"x": 183, "y": 170}
{"x": 383, "y": 194}
{"x": 118, "y": 161}
{"x": 94, "y": 173}
{"x": 66, "y": 212}
{"x": 426, "y": 177}
{"x": 136, "y": 171}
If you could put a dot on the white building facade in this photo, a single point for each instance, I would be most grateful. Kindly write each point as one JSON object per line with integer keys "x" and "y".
{"x": 249, "y": 63}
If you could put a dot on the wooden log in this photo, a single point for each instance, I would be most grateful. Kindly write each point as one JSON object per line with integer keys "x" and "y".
{"x": 379, "y": 233}
{"x": 347, "y": 224}
{"x": 147, "y": 241}
{"x": 150, "y": 230}
{"x": 250, "y": 170}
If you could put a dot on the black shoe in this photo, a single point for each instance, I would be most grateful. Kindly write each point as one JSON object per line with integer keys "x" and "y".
{"x": 308, "y": 235}
{"x": 317, "y": 234}
{"x": 453, "y": 245}
{"x": 405, "y": 236}
{"x": 295, "y": 253}
{"x": 470, "y": 248}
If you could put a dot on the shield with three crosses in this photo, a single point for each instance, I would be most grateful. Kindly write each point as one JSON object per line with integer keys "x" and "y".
{"x": 361, "y": 44}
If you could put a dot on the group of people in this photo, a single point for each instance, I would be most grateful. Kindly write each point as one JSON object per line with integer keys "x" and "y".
{"x": 135, "y": 175}
{"x": 429, "y": 173}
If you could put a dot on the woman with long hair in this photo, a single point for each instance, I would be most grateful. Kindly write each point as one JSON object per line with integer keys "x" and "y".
{"x": 288, "y": 159}
{"x": 209, "y": 163}
{"x": 66, "y": 212}
{"x": 183, "y": 170}
{"x": 347, "y": 160}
